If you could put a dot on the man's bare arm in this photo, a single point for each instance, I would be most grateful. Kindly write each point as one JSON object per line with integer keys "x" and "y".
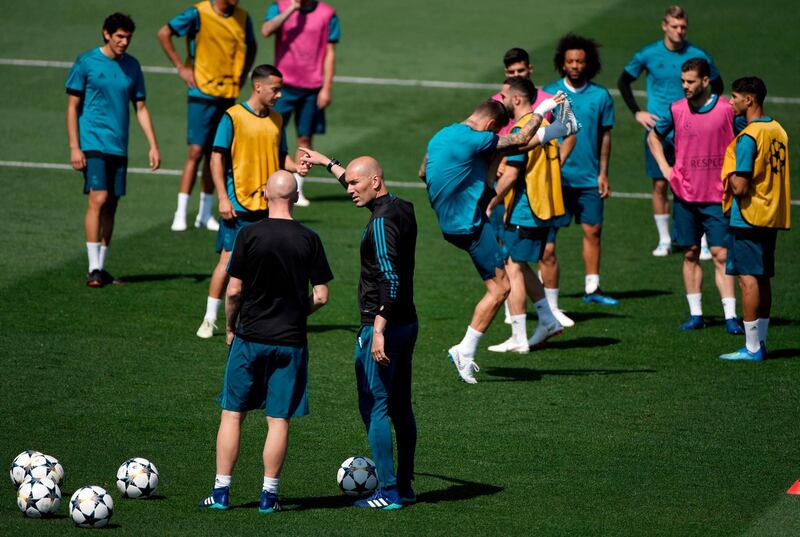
{"x": 271, "y": 26}
{"x": 233, "y": 305}
{"x": 657, "y": 150}
{"x": 311, "y": 157}
{"x": 318, "y": 298}
{"x": 422, "y": 167}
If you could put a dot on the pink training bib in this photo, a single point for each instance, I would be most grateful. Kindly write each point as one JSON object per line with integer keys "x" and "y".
{"x": 700, "y": 142}
{"x": 540, "y": 96}
{"x": 301, "y": 44}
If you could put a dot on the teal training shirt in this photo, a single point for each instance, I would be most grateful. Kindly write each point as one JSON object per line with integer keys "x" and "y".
{"x": 663, "y": 68}
{"x": 107, "y": 89}
{"x": 594, "y": 109}
{"x": 458, "y": 159}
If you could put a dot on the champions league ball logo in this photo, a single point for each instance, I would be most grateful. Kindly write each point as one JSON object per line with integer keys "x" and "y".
{"x": 777, "y": 157}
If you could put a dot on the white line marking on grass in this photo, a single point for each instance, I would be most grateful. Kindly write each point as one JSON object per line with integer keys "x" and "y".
{"x": 401, "y": 82}
{"x": 321, "y": 180}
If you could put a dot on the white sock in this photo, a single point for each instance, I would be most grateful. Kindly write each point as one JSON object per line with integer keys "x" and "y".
{"x": 729, "y": 307}
{"x": 222, "y": 481}
{"x": 552, "y": 297}
{"x": 212, "y": 306}
{"x": 204, "y": 210}
{"x": 695, "y": 301}
{"x": 592, "y": 282}
{"x": 763, "y": 327}
{"x": 271, "y": 484}
{"x": 102, "y": 257}
{"x": 507, "y": 311}
{"x": 751, "y": 335}
{"x": 469, "y": 344}
{"x": 544, "y": 312}
{"x": 518, "y": 330}
{"x": 299, "y": 178}
{"x": 662, "y": 225}
{"x": 93, "y": 251}
{"x": 183, "y": 203}
{"x": 704, "y": 242}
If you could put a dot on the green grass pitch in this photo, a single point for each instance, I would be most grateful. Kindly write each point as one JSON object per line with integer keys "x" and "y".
{"x": 621, "y": 427}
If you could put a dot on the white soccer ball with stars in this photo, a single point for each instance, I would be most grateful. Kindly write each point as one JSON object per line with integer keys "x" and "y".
{"x": 357, "y": 476}
{"x": 38, "y": 497}
{"x": 91, "y": 507}
{"x": 137, "y": 478}
{"x": 21, "y": 465}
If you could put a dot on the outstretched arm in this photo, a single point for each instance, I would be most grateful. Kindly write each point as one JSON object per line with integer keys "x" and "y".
{"x": 519, "y": 139}
{"x": 310, "y": 157}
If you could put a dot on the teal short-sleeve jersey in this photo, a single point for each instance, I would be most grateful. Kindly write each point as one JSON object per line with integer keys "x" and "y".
{"x": 107, "y": 88}
{"x": 663, "y": 68}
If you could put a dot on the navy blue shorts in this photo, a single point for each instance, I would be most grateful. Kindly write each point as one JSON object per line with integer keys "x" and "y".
{"x": 650, "y": 165}
{"x": 308, "y": 120}
{"x": 526, "y": 244}
{"x": 751, "y": 252}
{"x": 690, "y": 220}
{"x": 202, "y": 118}
{"x": 105, "y": 172}
{"x": 269, "y": 377}
{"x": 482, "y": 247}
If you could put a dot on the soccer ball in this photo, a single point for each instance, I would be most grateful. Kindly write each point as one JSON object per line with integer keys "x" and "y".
{"x": 91, "y": 507}
{"x": 38, "y": 497}
{"x": 46, "y": 466}
{"x": 357, "y": 476}
{"x": 21, "y": 465}
{"x": 137, "y": 478}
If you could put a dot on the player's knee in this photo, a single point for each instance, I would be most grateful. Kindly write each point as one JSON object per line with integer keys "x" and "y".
{"x": 692, "y": 254}
{"x": 195, "y": 152}
{"x": 720, "y": 255}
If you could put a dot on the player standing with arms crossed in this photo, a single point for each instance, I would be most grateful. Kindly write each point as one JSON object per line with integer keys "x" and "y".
{"x": 222, "y": 49}
{"x": 755, "y": 182}
{"x": 662, "y": 60}
{"x": 101, "y": 85}
{"x": 306, "y": 33}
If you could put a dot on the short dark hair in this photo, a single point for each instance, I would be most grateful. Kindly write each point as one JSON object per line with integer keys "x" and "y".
{"x": 676, "y": 12}
{"x": 751, "y": 85}
{"x": 265, "y": 70}
{"x": 118, "y": 21}
{"x": 516, "y": 55}
{"x": 577, "y": 42}
{"x": 494, "y": 110}
{"x": 522, "y": 85}
{"x": 698, "y": 65}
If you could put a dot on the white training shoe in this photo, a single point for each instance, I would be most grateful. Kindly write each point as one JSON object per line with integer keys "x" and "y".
{"x": 663, "y": 249}
{"x": 466, "y": 366}
{"x": 206, "y": 329}
{"x": 567, "y": 117}
{"x": 302, "y": 201}
{"x": 565, "y": 321}
{"x": 178, "y": 222}
{"x": 705, "y": 254}
{"x": 211, "y": 224}
{"x": 543, "y": 333}
{"x": 510, "y": 345}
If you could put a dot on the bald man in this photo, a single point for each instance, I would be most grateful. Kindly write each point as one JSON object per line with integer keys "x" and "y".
{"x": 385, "y": 342}
{"x": 272, "y": 264}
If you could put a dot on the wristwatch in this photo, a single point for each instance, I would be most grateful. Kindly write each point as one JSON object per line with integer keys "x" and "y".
{"x": 331, "y": 164}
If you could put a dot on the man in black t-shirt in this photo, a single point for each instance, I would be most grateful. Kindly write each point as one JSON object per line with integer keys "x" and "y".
{"x": 385, "y": 342}
{"x": 272, "y": 264}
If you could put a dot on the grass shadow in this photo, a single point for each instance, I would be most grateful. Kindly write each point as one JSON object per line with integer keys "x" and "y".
{"x": 782, "y": 354}
{"x": 582, "y": 342}
{"x": 580, "y": 316}
{"x": 624, "y": 295}
{"x": 524, "y": 374}
{"x": 144, "y": 278}
{"x": 459, "y": 490}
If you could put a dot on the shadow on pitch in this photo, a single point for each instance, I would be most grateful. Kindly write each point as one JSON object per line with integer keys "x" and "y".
{"x": 317, "y": 328}
{"x": 625, "y": 295}
{"x": 580, "y": 316}
{"x": 782, "y": 354}
{"x": 523, "y": 374}
{"x": 144, "y": 278}
{"x": 582, "y": 342}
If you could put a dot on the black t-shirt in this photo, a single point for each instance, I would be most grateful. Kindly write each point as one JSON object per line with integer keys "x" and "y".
{"x": 276, "y": 260}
